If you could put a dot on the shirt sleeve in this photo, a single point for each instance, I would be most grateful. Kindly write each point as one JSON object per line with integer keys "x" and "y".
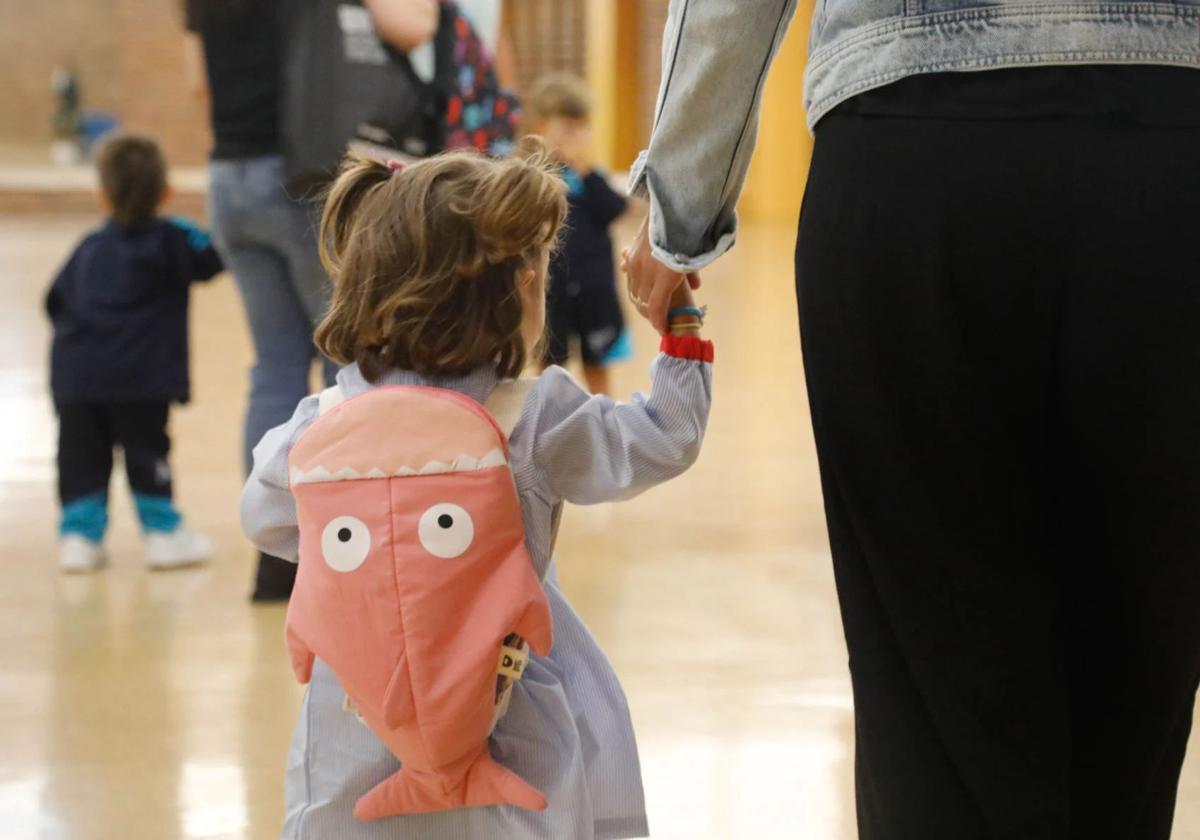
{"x": 203, "y": 261}
{"x": 268, "y": 509}
{"x": 715, "y": 60}
{"x": 589, "y": 449}
{"x": 600, "y": 201}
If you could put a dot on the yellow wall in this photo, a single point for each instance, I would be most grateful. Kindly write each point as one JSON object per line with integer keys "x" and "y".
{"x": 780, "y": 167}
{"x": 601, "y": 32}
{"x": 777, "y": 175}
{"x": 613, "y": 75}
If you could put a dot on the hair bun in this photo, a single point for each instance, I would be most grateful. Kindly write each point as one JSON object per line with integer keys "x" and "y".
{"x": 519, "y": 209}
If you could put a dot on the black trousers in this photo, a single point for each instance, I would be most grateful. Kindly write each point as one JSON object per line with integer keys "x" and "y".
{"x": 1001, "y": 331}
{"x": 87, "y": 434}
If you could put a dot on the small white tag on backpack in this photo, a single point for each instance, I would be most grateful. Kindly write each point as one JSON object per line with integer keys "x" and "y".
{"x": 512, "y": 662}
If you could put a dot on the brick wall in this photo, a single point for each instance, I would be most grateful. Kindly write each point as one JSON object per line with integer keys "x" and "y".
{"x": 128, "y": 58}
{"x": 652, "y": 17}
{"x": 549, "y": 36}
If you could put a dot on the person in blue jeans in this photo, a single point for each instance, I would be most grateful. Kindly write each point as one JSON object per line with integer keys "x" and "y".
{"x": 119, "y": 358}
{"x": 268, "y": 238}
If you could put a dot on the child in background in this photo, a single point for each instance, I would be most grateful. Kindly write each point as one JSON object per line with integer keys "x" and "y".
{"x": 439, "y": 273}
{"x": 119, "y": 358}
{"x": 583, "y": 301}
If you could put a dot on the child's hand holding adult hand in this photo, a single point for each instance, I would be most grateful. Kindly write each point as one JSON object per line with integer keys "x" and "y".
{"x": 652, "y": 284}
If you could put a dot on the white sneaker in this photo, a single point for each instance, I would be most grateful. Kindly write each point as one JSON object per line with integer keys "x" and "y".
{"x": 173, "y": 549}
{"x": 77, "y": 554}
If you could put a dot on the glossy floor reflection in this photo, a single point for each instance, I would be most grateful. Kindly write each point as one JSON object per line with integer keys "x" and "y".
{"x": 159, "y": 706}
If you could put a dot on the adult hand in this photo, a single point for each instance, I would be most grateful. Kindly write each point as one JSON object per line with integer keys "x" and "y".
{"x": 650, "y": 282}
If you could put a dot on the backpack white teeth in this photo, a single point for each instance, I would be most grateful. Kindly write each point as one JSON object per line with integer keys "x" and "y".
{"x": 495, "y": 458}
{"x": 464, "y": 462}
{"x": 316, "y": 475}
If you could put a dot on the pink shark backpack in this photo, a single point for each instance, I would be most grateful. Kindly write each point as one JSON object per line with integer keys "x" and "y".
{"x": 415, "y": 586}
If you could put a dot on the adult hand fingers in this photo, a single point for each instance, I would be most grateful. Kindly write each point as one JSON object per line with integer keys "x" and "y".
{"x": 634, "y": 259}
{"x": 660, "y": 297}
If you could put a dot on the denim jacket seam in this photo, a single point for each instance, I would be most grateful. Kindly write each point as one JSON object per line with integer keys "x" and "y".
{"x": 817, "y": 109}
{"x": 1076, "y": 12}
{"x": 751, "y": 110}
{"x": 670, "y": 75}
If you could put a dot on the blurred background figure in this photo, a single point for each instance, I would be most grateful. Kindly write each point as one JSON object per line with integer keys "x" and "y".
{"x": 495, "y": 28}
{"x": 119, "y": 358}
{"x": 68, "y": 120}
{"x": 582, "y": 309}
{"x": 267, "y": 237}
{"x": 75, "y": 131}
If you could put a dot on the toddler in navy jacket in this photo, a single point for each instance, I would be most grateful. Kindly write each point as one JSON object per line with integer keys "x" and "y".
{"x": 582, "y": 304}
{"x": 119, "y": 358}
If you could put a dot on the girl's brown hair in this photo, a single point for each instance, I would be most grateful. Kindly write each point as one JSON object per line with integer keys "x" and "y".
{"x": 426, "y": 260}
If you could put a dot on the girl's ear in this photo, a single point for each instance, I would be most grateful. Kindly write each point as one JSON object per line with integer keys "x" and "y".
{"x": 528, "y": 279}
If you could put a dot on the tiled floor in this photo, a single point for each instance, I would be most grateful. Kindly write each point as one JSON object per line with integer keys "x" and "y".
{"x": 159, "y": 706}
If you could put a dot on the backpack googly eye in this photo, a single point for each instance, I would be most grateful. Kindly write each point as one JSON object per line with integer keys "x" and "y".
{"x": 345, "y": 543}
{"x": 446, "y": 530}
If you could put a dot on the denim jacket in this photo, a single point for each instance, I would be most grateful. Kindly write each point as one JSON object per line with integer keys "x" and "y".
{"x": 716, "y": 54}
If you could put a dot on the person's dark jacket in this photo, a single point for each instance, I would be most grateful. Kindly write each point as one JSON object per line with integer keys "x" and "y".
{"x": 583, "y": 261}
{"x": 120, "y": 313}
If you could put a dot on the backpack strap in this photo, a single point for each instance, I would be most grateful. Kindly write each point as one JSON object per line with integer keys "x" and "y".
{"x": 508, "y": 401}
{"x": 505, "y": 404}
{"x": 329, "y": 398}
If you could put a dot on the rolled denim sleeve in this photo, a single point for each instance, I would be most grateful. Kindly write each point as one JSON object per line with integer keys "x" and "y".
{"x": 716, "y": 54}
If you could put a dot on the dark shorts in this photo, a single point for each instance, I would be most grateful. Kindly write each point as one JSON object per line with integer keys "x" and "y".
{"x": 592, "y": 315}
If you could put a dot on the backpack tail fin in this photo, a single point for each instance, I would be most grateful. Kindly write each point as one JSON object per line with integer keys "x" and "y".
{"x": 414, "y": 792}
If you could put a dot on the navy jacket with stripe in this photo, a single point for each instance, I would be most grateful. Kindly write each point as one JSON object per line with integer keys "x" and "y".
{"x": 120, "y": 313}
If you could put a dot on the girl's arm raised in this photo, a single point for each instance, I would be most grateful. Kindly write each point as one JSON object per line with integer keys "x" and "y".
{"x": 589, "y": 449}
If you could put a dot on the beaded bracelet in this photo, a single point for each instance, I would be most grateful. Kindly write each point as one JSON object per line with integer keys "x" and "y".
{"x": 697, "y": 311}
